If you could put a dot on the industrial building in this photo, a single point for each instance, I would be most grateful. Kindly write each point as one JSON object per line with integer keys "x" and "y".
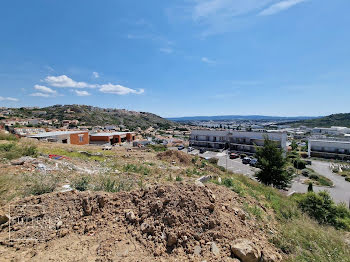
{"x": 111, "y": 138}
{"x": 236, "y": 141}
{"x": 27, "y": 131}
{"x": 65, "y": 137}
{"x": 330, "y": 148}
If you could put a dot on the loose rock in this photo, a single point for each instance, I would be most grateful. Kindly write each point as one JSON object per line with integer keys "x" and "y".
{"x": 214, "y": 249}
{"x": 172, "y": 239}
{"x": 245, "y": 250}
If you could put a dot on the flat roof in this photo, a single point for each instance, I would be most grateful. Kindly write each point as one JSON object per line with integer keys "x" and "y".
{"x": 110, "y": 134}
{"x": 331, "y": 141}
{"x": 56, "y": 133}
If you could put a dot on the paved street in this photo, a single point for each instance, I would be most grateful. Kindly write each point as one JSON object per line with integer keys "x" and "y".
{"x": 234, "y": 165}
{"x": 341, "y": 190}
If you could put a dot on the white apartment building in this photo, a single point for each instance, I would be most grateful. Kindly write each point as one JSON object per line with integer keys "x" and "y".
{"x": 334, "y": 130}
{"x": 236, "y": 141}
{"x": 329, "y": 148}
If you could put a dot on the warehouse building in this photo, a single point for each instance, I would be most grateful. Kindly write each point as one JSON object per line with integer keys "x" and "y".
{"x": 329, "y": 148}
{"x": 111, "y": 138}
{"x": 235, "y": 141}
{"x": 65, "y": 137}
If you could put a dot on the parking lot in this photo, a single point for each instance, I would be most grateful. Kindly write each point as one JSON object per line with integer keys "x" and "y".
{"x": 234, "y": 165}
{"x": 340, "y": 192}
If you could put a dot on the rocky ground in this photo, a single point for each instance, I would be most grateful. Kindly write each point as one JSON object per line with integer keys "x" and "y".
{"x": 145, "y": 205}
{"x": 178, "y": 222}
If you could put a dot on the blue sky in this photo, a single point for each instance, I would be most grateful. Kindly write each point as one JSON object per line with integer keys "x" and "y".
{"x": 178, "y": 58}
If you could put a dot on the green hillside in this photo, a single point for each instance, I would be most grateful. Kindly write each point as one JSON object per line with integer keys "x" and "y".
{"x": 93, "y": 116}
{"x": 327, "y": 121}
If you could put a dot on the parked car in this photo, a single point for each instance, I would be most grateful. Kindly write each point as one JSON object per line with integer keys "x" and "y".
{"x": 107, "y": 147}
{"x": 234, "y": 156}
{"x": 246, "y": 160}
{"x": 253, "y": 162}
{"x": 180, "y": 147}
{"x": 190, "y": 149}
{"x": 202, "y": 151}
{"x": 242, "y": 156}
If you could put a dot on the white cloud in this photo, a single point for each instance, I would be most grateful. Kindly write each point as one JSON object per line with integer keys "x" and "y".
{"x": 82, "y": 93}
{"x": 280, "y": 6}
{"x": 45, "y": 89}
{"x": 221, "y": 16}
{"x": 166, "y": 50}
{"x": 212, "y": 9}
{"x": 95, "y": 74}
{"x": 119, "y": 90}
{"x": 65, "y": 81}
{"x": 11, "y": 99}
{"x": 207, "y": 60}
{"x": 40, "y": 94}
{"x": 49, "y": 68}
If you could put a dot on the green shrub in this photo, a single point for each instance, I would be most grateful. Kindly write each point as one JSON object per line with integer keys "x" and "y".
{"x": 213, "y": 161}
{"x": 8, "y": 137}
{"x": 292, "y": 156}
{"x": 324, "y": 181}
{"x": 204, "y": 163}
{"x": 193, "y": 172}
{"x": 253, "y": 210}
{"x": 321, "y": 207}
{"x": 178, "y": 178}
{"x": 221, "y": 168}
{"x": 30, "y": 151}
{"x": 290, "y": 170}
{"x": 158, "y": 148}
{"x": 235, "y": 186}
{"x": 314, "y": 177}
{"x": 305, "y": 172}
{"x": 347, "y": 179}
{"x": 228, "y": 182}
{"x": 81, "y": 183}
{"x": 41, "y": 183}
{"x": 137, "y": 169}
{"x": 194, "y": 160}
{"x": 108, "y": 183}
{"x": 299, "y": 164}
{"x": 13, "y": 150}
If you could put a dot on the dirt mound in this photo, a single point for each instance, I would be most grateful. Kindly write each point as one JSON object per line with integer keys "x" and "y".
{"x": 162, "y": 223}
{"x": 177, "y": 156}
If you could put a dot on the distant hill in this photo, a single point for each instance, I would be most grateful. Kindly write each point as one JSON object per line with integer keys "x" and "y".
{"x": 327, "y": 121}
{"x": 93, "y": 116}
{"x": 239, "y": 117}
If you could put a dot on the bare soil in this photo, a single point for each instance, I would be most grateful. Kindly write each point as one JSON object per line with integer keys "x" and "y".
{"x": 176, "y": 222}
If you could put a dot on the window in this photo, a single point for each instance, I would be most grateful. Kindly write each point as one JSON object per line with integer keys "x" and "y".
{"x": 81, "y": 138}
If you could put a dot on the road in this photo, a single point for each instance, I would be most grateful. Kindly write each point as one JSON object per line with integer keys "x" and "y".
{"x": 341, "y": 190}
{"x": 234, "y": 165}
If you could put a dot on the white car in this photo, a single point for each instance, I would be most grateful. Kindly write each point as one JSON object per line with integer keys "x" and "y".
{"x": 107, "y": 147}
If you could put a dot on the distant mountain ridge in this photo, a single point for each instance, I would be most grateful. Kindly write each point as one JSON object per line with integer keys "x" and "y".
{"x": 327, "y": 121}
{"x": 239, "y": 117}
{"x": 96, "y": 116}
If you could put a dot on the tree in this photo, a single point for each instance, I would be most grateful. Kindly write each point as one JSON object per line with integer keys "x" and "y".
{"x": 294, "y": 145}
{"x": 310, "y": 187}
{"x": 272, "y": 164}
